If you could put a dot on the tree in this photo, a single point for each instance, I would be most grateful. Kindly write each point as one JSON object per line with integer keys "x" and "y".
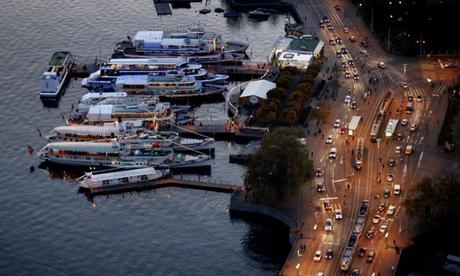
{"x": 280, "y": 166}
{"x": 277, "y": 93}
{"x": 435, "y": 201}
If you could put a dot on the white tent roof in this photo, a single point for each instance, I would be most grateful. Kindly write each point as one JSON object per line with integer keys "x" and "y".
{"x": 258, "y": 88}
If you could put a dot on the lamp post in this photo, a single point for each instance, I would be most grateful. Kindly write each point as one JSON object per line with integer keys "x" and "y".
{"x": 421, "y": 42}
{"x": 389, "y": 33}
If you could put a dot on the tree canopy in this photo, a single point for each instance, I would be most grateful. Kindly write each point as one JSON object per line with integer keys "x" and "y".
{"x": 435, "y": 201}
{"x": 280, "y": 166}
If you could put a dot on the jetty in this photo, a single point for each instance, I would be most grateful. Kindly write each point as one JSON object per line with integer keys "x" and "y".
{"x": 224, "y": 132}
{"x": 172, "y": 181}
{"x": 245, "y": 153}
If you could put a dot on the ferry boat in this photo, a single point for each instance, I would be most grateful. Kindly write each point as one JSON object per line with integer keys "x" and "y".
{"x": 141, "y": 111}
{"x": 55, "y": 78}
{"x": 197, "y": 45}
{"x": 100, "y": 181}
{"x": 105, "y": 78}
{"x": 112, "y": 154}
{"x": 166, "y": 85}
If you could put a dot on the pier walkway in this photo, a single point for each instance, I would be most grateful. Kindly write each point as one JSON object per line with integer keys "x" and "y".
{"x": 199, "y": 183}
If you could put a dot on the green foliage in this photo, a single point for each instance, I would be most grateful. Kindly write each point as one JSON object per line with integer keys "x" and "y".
{"x": 435, "y": 202}
{"x": 284, "y": 81}
{"x": 279, "y": 167}
{"x": 277, "y": 93}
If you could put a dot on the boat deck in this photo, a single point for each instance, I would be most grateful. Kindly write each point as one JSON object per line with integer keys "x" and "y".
{"x": 58, "y": 59}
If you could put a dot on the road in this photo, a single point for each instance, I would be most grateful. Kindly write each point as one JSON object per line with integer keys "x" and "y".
{"x": 346, "y": 187}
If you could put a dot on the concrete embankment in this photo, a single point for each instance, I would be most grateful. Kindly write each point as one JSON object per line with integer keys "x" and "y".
{"x": 238, "y": 204}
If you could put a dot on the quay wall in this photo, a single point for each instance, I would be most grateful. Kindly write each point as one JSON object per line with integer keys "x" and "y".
{"x": 239, "y": 205}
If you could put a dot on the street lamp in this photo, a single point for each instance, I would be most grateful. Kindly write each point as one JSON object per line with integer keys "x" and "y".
{"x": 389, "y": 32}
{"x": 297, "y": 268}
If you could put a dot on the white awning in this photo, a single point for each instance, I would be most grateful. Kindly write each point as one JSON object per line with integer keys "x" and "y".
{"x": 258, "y": 88}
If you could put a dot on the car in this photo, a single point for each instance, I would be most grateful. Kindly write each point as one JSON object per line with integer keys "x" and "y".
{"x": 329, "y": 254}
{"x": 329, "y": 27}
{"x": 321, "y": 24}
{"x": 347, "y": 75}
{"x": 355, "y": 272}
{"x": 399, "y": 136}
{"x": 318, "y": 172}
{"x": 355, "y": 76}
{"x": 328, "y": 225}
{"x": 337, "y": 123}
{"x": 409, "y": 149}
{"x": 320, "y": 274}
{"x": 351, "y": 62}
{"x": 389, "y": 177}
{"x": 404, "y": 84}
{"x": 329, "y": 139}
{"x": 382, "y": 206}
{"x": 352, "y": 38}
{"x": 383, "y": 228}
{"x": 333, "y": 153}
{"x": 398, "y": 149}
{"x": 376, "y": 219}
{"x": 362, "y": 251}
{"x": 381, "y": 65}
{"x": 344, "y": 64}
{"x": 391, "y": 210}
{"x": 370, "y": 233}
{"x": 410, "y": 98}
{"x": 365, "y": 43}
{"x": 419, "y": 98}
{"x": 332, "y": 41}
{"x": 354, "y": 105}
{"x": 386, "y": 193}
{"x": 450, "y": 65}
{"x": 391, "y": 162}
{"x": 327, "y": 205}
{"x": 413, "y": 127}
{"x": 339, "y": 54}
{"x": 370, "y": 257}
{"x": 338, "y": 214}
{"x": 326, "y": 19}
{"x": 363, "y": 52}
{"x": 338, "y": 40}
{"x": 317, "y": 256}
{"x": 404, "y": 122}
{"x": 320, "y": 187}
{"x": 347, "y": 99}
{"x": 342, "y": 130}
{"x": 346, "y": 30}
{"x": 337, "y": 7}
{"x": 343, "y": 50}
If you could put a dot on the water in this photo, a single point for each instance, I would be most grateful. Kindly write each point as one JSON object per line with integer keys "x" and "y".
{"x": 47, "y": 228}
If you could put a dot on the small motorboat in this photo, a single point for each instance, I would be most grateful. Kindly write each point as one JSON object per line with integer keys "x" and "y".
{"x": 219, "y": 10}
{"x": 205, "y": 11}
{"x": 259, "y": 14}
{"x": 231, "y": 14}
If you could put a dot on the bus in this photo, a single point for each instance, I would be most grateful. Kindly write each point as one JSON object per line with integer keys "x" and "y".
{"x": 409, "y": 108}
{"x": 359, "y": 153}
{"x": 391, "y": 127}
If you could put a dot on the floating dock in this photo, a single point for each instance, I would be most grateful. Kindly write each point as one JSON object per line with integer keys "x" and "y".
{"x": 162, "y": 8}
{"x": 167, "y": 182}
{"x": 243, "y": 156}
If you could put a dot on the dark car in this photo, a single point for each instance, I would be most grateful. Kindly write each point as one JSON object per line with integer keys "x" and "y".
{"x": 329, "y": 254}
{"x": 327, "y": 205}
{"x": 355, "y": 272}
{"x": 391, "y": 162}
{"x": 318, "y": 172}
{"x": 382, "y": 206}
{"x": 320, "y": 187}
{"x": 370, "y": 233}
{"x": 386, "y": 193}
{"x": 410, "y": 98}
{"x": 362, "y": 252}
{"x": 399, "y": 136}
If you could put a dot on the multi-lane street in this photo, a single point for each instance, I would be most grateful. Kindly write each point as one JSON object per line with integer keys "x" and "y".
{"x": 391, "y": 164}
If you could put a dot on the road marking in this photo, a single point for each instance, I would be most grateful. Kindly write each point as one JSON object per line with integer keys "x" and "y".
{"x": 420, "y": 160}
{"x": 339, "y": 180}
{"x": 421, "y": 140}
{"x": 332, "y": 243}
{"x": 405, "y": 170}
{"x": 328, "y": 198}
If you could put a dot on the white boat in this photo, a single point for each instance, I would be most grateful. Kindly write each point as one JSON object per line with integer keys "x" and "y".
{"x": 141, "y": 111}
{"x": 105, "y": 181}
{"x": 54, "y": 79}
{"x": 112, "y": 154}
{"x": 81, "y": 133}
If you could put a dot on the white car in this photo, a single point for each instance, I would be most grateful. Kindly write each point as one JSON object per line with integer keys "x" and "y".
{"x": 404, "y": 84}
{"x": 333, "y": 153}
{"x": 398, "y": 149}
{"x": 404, "y": 122}
{"x": 381, "y": 65}
{"x": 337, "y": 123}
{"x": 376, "y": 219}
{"x": 419, "y": 98}
{"x": 347, "y": 99}
{"x": 317, "y": 256}
{"x": 329, "y": 139}
{"x": 413, "y": 127}
{"x": 328, "y": 225}
{"x": 363, "y": 52}
{"x": 383, "y": 228}
{"x": 389, "y": 177}
{"x": 338, "y": 214}
{"x": 346, "y": 30}
{"x": 391, "y": 210}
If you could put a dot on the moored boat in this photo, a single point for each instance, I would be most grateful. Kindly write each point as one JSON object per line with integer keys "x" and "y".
{"x": 55, "y": 78}
{"x": 105, "y": 181}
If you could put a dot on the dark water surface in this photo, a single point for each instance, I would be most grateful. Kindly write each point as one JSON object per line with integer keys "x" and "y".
{"x": 46, "y": 227}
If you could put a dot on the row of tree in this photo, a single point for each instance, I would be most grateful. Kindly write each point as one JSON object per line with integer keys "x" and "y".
{"x": 282, "y": 106}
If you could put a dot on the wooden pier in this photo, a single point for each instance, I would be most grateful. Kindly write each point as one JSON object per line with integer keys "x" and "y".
{"x": 224, "y": 132}
{"x": 246, "y": 70}
{"x": 176, "y": 181}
